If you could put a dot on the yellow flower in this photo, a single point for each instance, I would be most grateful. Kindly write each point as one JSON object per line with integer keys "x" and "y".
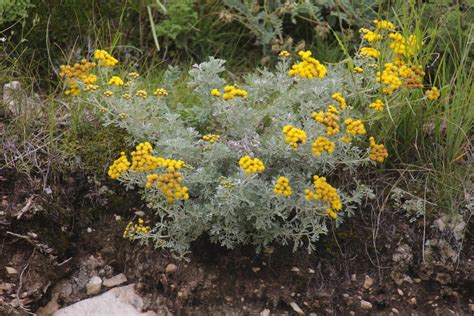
{"x": 251, "y": 165}
{"x": 169, "y": 184}
{"x": 354, "y": 127}
{"x": 389, "y": 77}
{"x": 282, "y": 187}
{"x": 370, "y": 36}
{"x": 329, "y": 119}
{"x": 338, "y": 97}
{"x": 294, "y": 136}
{"x": 358, "y": 70}
{"x": 284, "y": 54}
{"x": 105, "y": 58}
{"x": 115, "y": 80}
{"x": 325, "y": 192}
{"x": 141, "y": 93}
{"x": 377, "y": 105}
{"x": 108, "y": 93}
{"x": 126, "y": 96}
{"x": 345, "y": 139}
{"x": 160, "y": 92}
{"x": 308, "y": 68}
{"x": 131, "y": 230}
{"x": 378, "y": 152}
{"x": 369, "y": 52}
{"x": 383, "y": 24}
{"x": 215, "y": 93}
{"x": 133, "y": 75}
{"x": 432, "y": 94}
{"x": 211, "y": 138}
{"x": 119, "y": 166}
{"x": 90, "y": 79}
{"x": 322, "y": 144}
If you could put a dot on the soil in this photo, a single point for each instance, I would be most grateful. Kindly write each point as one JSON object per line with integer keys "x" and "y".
{"x": 70, "y": 233}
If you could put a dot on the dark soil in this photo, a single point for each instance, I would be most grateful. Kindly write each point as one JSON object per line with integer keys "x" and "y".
{"x": 61, "y": 233}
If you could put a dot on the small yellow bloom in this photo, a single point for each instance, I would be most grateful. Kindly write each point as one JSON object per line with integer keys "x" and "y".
{"x": 215, "y": 93}
{"x": 282, "y": 187}
{"x": 108, "y": 93}
{"x": 377, "y": 105}
{"x": 115, "y": 80}
{"x": 141, "y": 93}
{"x": 378, "y": 152}
{"x": 432, "y": 94}
{"x": 284, "y": 54}
{"x": 251, "y": 165}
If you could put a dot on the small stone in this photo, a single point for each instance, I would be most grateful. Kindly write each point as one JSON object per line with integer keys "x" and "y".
{"x": 296, "y": 308}
{"x": 471, "y": 307}
{"x": 171, "y": 268}
{"x": 140, "y": 213}
{"x": 295, "y": 269}
{"x": 368, "y": 282}
{"x": 311, "y": 271}
{"x": 365, "y": 305}
{"x": 89, "y": 230}
{"x": 265, "y": 312}
{"x": 345, "y": 295}
{"x": 11, "y": 270}
{"x": 353, "y": 277}
{"x": 7, "y": 287}
{"x": 417, "y": 280}
{"x": 352, "y": 313}
{"x": 94, "y": 285}
{"x": 413, "y": 301}
{"x": 115, "y": 280}
{"x": 256, "y": 269}
{"x": 395, "y": 311}
{"x": 400, "y": 292}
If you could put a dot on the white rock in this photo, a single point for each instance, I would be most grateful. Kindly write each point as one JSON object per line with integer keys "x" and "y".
{"x": 311, "y": 271}
{"x": 94, "y": 285}
{"x": 115, "y": 280}
{"x": 171, "y": 268}
{"x": 11, "y": 270}
{"x": 365, "y": 305}
{"x": 117, "y": 301}
{"x": 6, "y": 287}
{"x": 413, "y": 301}
{"x": 295, "y": 269}
{"x": 296, "y": 308}
{"x": 400, "y": 292}
{"x": 368, "y": 282}
{"x": 256, "y": 269}
{"x": 353, "y": 277}
{"x": 265, "y": 312}
{"x": 395, "y": 311}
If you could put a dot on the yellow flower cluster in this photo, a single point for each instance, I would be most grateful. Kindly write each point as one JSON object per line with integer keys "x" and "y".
{"x": 126, "y": 96}
{"x": 79, "y": 71}
{"x": 370, "y": 36}
{"x": 89, "y": 79}
{"x": 378, "y": 152}
{"x": 403, "y": 46}
{"x": 211, "y": 138}
{"x": 284, "y": 54}
{"x": 169, "y": 184}
{"x": 389, "y": 77}
{"x": 354, "y": 127}
{"x": 322, "y": 144}
{"x": 133, "y": 75}
{"x": 119, "y": 166}
{"x": 358, "y": 70}
{"x": 141, "y": 93}
{"x": 324, "y": 191}
{"x": 294, "y": 136}
{"x": 132, "y": 229}
{"x": 412, "y": 76}
{"x": 308, "y": 67}
{"x": 105, "y": 58}
{"x": 115, "y": 80}
{"x": 226, "y": 183}
{"x": 108, "y": 93}
{"x": 251, "y": 165}
{"x": 340, "y": 99}
{"x": 282, "y": 187}
{"x": 432, "y": 94}
{"x": 377, "y": 105}
{"x": 345, "y": 139}
{"x": 383, "y": 24}
{"x": 232, "y": 92}
{"x": 369, "y": 52}
{"x": 160, "y": 92}
{"x": 142, "y": 160}
{"x": 329, "y": 119}
{"x": 216, "y": 92}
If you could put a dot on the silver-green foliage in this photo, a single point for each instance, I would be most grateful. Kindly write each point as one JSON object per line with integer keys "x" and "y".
{"x": 230, "y": 206}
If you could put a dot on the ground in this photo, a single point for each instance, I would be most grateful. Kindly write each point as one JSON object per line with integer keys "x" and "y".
{"x": 66, "y": 235}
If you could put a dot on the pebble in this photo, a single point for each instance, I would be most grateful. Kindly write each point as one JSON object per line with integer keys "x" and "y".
{"x": 256, "y": 269}
{"x": 311, "y": 271}
{"x": 353, "y": 277}
{"x": 413, "y": 301}
{"x": 295, "y": 269}
{"x": 400, "y": 292}
{"x": 365, "y": 305}
{"x": 115, "y": 280}
{"x": 6, "y": 287}
{"x": 395, "y": 311}
{"x": 296, "y": 308}
{"x": 94, "y": 285}
{"x": 471, "y": 307}
{"x": 171, "y": 268}
{"x": 89, "y": 230}
{"x": 345, "y": 295}
{"x": 11, "y": 270}
{"x": 368, "y": 282}
{"x": 265, "y": 312}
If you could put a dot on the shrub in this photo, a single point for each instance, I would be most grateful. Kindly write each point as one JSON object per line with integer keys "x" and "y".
{"x": 270, "y": 160}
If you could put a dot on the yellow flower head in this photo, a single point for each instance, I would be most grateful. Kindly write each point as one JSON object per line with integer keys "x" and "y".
{"x": 432, "y": 94}
{"x": 369, "y": 52}
{"x": 325, "y": 192}
{"x": 329, "y": 119}
{"x": 339, "y": 98}
{"x": 354, "y": 127}
{"x": 294, "y": 136}
{"x": 378, "y": 152}
{"x": 284, "y": 54}
{"x": 160, "y": 92}
{"x": 377, "y": 105}
{"x": 215, "y": 93}
{"x": 115, "y": 80}
{"x": 251, "y": 165}
{"x": 119, "y": 166}
{"x": 211, "y": 138}
{"x": 322, "y": 144}
{"x": 383, "y": 24}
{"x": 105, "y": 58}
{"x": 282, "y": 187}
{"x": 108, "y": 93}
{"x": 141, "y": 93}
{"x": 308, "y": 68}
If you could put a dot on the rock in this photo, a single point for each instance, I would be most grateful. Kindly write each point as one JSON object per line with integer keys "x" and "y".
{"x": 51, "y": 307}
{"x": 256, "y": 269}
{"x": 400, "y": 292}
{"x": 345, "y": 295}
{"x": 296, "y": 308}
{"x": 368, "y": 282}
{"x": 311, "y": 271}
{"x": 353, "y": 277}
{"x": 295, "y": 269}
{"x": 395, "y": 311}
{"x": 443, "y": 278}
{"x": 471, "y": 307}
{"x": 365, "y": 305}
{"x": 265, "y": 312}
{"x": 11, "y": 270}
{"x": 7, "y": 287}
{"x": 352, "y": 313}
{"x": 171, "y": 268}
{"x": 413, "y": 301}
{"x": 117, "y": 301}
{"x": 115, "y": 280}
{"x": 94, "y": 285}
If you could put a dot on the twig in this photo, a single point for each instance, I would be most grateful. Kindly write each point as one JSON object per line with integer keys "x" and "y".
{"x": 20, "y": 283}
{"x": 26, "y": 207}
